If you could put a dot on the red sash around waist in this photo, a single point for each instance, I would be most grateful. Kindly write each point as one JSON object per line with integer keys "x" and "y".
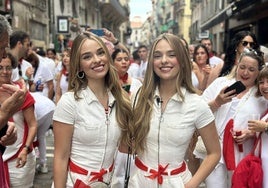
{"x": 95, "y": 175}
{"x": 161, "y": 170}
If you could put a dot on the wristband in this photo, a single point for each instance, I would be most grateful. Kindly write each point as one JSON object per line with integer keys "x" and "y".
{"x": 116, "y": 43}
{"x": 27, "y": 148}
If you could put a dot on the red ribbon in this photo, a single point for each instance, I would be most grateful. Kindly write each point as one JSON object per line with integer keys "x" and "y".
{"x": 158, "y": 174}
{"x": 80, "y": 184}
{"x": 98, "y": 175}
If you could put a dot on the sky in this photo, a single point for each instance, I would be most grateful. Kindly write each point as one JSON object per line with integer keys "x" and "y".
{"x": 140, "y": 8}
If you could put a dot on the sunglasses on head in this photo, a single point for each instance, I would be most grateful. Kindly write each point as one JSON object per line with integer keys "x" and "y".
{"x": 251, "y": 44}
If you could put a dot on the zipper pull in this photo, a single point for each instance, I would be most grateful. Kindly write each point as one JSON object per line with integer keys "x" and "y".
{"x": 107, "y": 115}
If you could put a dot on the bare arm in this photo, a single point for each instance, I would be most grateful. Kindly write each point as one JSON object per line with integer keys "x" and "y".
{"x": 58, "y": 92}
{"x": 50, "y": 86}
{"x": 211, "y": 140}
{"x": 32, "y": 125}
{"x": 62, "y": 142}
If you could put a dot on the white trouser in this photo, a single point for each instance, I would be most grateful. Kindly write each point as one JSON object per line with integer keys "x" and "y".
{"x": 43, "y": 125}
{"x": 219, "y": 177}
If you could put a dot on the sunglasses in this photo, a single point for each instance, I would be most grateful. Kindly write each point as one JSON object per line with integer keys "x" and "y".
{"x": 251, "y": 44}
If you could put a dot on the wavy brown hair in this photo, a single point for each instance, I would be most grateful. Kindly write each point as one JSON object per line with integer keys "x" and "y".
{"x": 123, "y": 106}
{"x": 144, "y": 105}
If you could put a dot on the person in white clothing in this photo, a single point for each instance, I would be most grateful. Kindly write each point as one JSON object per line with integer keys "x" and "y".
{"x": 63, "y": 76}
{"x": 44, "y": 109}
{"x": 143, "y": 53}
{"x": 166, "y": 113}
{"x": 213, "y": 60}
{"x": 91, "y": 119}
{"x": 232, "y": 112}
{"x": 19, "y": 48}
{"x": 131, "y": 85}
{"x": 43, "y": 74}
{"x": 121, "y": 62}
{"x": 18, "y": 157}
{"x": 133, "y": 70}
{"x": 262, "y": 125}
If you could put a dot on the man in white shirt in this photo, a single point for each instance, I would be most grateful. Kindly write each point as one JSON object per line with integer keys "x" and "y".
{"x": 19, "y": 48}
{"x": 143, "y": 54}
{"x": 134, "y": 67}
{"x": 213, "y": 60}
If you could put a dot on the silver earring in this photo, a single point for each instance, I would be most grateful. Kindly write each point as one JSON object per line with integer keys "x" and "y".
{"x": 81, "y": 74}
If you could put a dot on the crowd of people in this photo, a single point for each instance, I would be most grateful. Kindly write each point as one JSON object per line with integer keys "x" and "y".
{"x": 130, "y": 119}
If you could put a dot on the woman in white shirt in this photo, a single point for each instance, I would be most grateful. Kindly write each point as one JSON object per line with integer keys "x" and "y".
{"x": 232, "y": 112}
{"x": 91, "y": 119}
{"x": 167, "y": 112}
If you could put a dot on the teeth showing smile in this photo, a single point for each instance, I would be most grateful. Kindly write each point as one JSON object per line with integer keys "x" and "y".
{"x": 166, "y": 68}
{"x": 98, "y": 68}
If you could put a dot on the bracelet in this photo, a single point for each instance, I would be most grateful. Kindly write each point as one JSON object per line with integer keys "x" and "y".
{"x": 116, "y": 43}
{"x": 27, "y": 148}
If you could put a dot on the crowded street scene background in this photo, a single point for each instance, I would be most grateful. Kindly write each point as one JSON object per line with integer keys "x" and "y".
{"x": 178, "y": 98}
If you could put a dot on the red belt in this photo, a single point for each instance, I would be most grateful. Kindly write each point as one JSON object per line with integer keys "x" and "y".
{"x": 161, "y": 170}
{"x": 96, "y": 175}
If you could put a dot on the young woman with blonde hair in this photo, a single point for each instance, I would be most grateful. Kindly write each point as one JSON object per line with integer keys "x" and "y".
{"x": 91, "y": 119}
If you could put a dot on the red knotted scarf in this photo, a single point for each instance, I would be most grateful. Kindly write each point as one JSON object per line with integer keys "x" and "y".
{"x": 228, "y": 146}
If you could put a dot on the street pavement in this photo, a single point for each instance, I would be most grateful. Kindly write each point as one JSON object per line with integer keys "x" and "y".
{"x": 45, "y": 180}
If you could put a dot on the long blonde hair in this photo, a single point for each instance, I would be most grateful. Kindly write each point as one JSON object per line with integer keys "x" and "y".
{"x": 123, "y": 105}
{"x": 143, "y": 108}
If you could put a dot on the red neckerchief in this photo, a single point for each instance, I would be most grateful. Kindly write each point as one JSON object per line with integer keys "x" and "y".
{"x": 65, "y": 72}
{"x": 211, "y": 55}
{"x": 124, "y": 78}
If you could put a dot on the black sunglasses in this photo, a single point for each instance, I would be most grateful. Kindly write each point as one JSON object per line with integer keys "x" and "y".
{"x": 251, "y": 44}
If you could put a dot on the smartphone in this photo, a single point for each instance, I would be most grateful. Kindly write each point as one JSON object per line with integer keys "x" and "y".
{"x": 238, "y": 86}
{"x": 98, "y": 32}
{"x": 3, "y": 133}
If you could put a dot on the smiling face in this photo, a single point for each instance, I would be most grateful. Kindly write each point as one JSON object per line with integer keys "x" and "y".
{"x": 165, "y": 63}
{"x": 93, "y": 60}
{"x": 247, "y": 71}
{"x": 263, "y": 87}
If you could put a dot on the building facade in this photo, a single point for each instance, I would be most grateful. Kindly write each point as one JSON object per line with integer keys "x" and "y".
{"x": 55, "y": 23}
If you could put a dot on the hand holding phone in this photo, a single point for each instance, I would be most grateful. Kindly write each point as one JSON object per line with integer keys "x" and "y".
{"x": 238, "y": 86}
{"x": 98, "y": 32}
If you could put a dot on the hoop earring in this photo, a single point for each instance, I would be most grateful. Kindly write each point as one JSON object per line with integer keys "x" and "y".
{"x": 80, "y": 74}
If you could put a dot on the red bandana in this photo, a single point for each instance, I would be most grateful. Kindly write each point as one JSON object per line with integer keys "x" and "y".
{"x": 124, "y": 78}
